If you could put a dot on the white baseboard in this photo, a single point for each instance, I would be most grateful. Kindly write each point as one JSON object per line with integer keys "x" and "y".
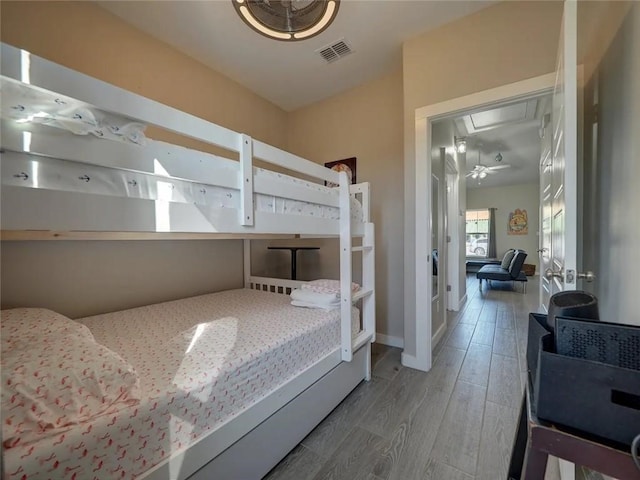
{"x": 463, "y": 300}
{"x": 411, "y": 361}
{"x": 389, "y": 340}
{"x": 438, "y": 335}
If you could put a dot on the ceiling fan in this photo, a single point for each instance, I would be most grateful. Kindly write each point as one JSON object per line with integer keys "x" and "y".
{"x": 481, "y": 171}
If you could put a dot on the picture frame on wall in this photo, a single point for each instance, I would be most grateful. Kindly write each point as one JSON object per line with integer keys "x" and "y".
{"x": 347, "y": 165}
{"x": 518, "y": 223}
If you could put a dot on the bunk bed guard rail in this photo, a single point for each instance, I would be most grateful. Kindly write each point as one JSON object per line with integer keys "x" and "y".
{"x": 152, "y": 172}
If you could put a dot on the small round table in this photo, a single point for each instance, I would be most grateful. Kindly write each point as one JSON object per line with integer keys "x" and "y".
{"x": 294, "y": 254}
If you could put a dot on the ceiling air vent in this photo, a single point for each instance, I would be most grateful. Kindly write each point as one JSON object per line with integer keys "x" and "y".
{"x": 335, "y": 51}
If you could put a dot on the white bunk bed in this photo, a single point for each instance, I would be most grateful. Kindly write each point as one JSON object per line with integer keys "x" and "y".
{"x": 60, "y": 185}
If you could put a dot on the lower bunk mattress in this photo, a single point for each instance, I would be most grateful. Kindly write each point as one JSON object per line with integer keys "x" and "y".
{"x": 201, "y": 362}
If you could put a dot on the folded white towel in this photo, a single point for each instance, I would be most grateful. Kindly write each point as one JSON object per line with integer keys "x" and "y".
{"x": 298, "y": 303}
{"x": 310, "y": 296}
{"x": 327, "y": 286}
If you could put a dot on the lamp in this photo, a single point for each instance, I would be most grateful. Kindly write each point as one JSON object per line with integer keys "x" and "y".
{"x": 461, "y": 144}
{"x": 287, "y": 20}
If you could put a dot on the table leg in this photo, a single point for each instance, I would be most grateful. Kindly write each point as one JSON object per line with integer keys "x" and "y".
{"x": 535, "y": 464}
{"x": 519, "y": 444}
{"x": 294, "y": 256}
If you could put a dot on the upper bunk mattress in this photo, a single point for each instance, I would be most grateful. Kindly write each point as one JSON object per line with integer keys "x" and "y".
{"x": 202, "y": 361}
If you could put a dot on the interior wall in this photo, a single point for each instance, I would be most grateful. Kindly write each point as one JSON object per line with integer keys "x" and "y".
{"x": 80, "y": 278}
{"x": 610, "y": 231}
{"x": 506, "y": 200}
{"x": 366, "y": 123}
{"x": 502, "y": 44}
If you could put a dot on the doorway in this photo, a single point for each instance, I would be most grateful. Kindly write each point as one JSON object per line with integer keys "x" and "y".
{"x": 418, "y": 350}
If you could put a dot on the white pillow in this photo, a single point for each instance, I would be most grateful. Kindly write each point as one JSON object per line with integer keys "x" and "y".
{"x": 54, "y": 374}
{"x": 506, "y": 260}
{"x": 33, "y": 323}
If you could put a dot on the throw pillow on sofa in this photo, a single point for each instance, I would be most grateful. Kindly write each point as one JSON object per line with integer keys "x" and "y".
{"x": 506, "y": 260}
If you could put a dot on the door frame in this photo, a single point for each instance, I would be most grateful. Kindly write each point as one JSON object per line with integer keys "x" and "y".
{"x": 424, "y": 117}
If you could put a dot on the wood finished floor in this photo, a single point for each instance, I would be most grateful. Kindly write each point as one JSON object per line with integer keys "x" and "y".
{"x": 455, "y": 422}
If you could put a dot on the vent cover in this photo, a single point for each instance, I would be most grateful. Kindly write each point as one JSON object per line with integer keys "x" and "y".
{"x": 335, "y": 51}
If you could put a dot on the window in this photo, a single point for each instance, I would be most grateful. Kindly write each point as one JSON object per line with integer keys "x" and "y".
{"x": 478, "y": 233}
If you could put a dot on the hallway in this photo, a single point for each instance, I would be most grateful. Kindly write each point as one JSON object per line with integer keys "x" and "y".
{"x": 455, "y": 422}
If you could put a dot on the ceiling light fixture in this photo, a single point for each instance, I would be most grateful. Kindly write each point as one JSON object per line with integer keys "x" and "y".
{"x": 287, "y": 20}
{"x": 480, "y": 171}
{"x": 461, "y": 144}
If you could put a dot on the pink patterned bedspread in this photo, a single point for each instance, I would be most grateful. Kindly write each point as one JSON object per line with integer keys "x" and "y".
{"x": 202, "y": 361}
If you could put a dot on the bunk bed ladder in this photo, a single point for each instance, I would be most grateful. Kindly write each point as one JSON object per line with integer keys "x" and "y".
{"x": 345, "y": 269}
{"x": 367, "y": 292}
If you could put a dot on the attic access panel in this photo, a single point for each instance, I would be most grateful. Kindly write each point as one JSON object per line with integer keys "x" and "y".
{"x": 498, "y": 117}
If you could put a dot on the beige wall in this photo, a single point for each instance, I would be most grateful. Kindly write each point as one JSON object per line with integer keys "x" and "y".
{"x": 365, "y": 123}
{"x": 612, "y": 170}
{"x": 506, "y": 200}
{"x": 506, "y": 43}
{"x": 598, "y": 23}
{"x": 81, "y": 278}
{"x": 78, "y": 279}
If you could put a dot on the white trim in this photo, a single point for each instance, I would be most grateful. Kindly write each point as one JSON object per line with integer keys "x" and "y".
{"x": 452, "y": 184}
{"x": 525, "y": 88}
{"x": 439, "y": 334}
{"x": 389, "y": 340}
{"x": 422, "y": 167}
{"x": 570, "y": 143}
{"x": 423, "y": 247}
{"x": 462, "y": 301}
{"x": 410, "y": 361}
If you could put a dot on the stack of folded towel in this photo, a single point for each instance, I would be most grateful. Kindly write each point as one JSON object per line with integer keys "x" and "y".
{"x": 324, "y": 294}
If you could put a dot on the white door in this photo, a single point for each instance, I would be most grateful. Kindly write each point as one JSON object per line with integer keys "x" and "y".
{"x": 559, "y": 179}
{"x": 559, "y": 171}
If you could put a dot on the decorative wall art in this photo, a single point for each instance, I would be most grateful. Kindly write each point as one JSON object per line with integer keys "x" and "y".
{"x": 518, "y": 223}
{"x": 347, "y": 165}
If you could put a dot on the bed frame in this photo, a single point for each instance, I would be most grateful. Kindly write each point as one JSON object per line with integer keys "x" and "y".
{"x": 122, "y": 203}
